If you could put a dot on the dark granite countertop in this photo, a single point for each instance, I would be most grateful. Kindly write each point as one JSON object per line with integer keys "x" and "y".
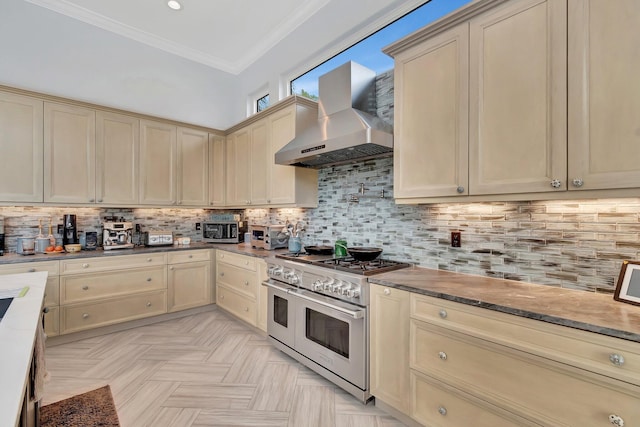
{"x": 587, "y": 311}
{"x": 13, "y": 258}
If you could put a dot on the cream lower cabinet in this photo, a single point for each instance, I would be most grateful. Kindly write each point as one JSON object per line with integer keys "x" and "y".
{"x": 102, "y": 291}
{"x": 389, "y": 343}
{"x": 188, "y": 279}
{"x": 238, "y": 287}
{"x": 51, "y": 292}
{"x": 474, "y": 365}
{"x": 21, "y": 136}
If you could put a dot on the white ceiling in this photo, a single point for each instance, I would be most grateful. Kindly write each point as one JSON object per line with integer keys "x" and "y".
{"x": 228, "y": 35}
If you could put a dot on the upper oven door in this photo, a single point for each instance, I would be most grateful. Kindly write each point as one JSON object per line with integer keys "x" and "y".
{"x": 280, "y": 312}
{"x": 333, "y": 334}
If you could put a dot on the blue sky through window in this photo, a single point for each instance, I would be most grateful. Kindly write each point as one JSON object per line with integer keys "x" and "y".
{"x": 368, "y": 52}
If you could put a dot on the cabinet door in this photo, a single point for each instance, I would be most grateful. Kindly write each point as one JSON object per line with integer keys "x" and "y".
{"x": 431, "y": 132}
{"x": 189, "y": 285}
{"x": 117, "y": 152}
{"x": 259, "y": 155}
{"x": 157, "y": 163}
{"x": 282, "y": 179}
{"x": 238, "y": 173}
{"x": 21, "y": 134}
{"x": 517, "y": 114}
{"x": 389, "y": 326}
{"x": 69, "y": 153}
{"x": 193, "y": 167}
{"x": 216, "y": 170}
{"x": 604, "y": 101}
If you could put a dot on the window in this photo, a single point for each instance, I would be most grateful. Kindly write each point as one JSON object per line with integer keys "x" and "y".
{"x": 262, "y": 103}
{"x": 368, "y": 51}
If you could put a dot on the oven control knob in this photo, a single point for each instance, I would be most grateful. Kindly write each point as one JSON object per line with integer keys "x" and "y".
{"x": 328, "y": 285}
{"x": 277, "y": 271}
{"x": 355, "y": 293}
{"x": 346, "y": 290}
{"x": 337, "y": 288}
{"x": 318, "y": 285}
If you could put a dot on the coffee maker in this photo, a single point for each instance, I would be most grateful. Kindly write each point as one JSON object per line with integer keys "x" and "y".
{"x": 69, "y": 231}
{"x": 117, "y": 235}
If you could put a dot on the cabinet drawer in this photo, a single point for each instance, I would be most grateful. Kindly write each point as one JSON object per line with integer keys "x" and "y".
{"x": 242, "y": 261}
{"x": 597, "y": 353}
{"x": 244, "y": 282}
{"x": 548, "y": 392}
{"x": 52, "y": 267}
{"x": 189, "y": 256}
{"x": 107, "y": 263}
{"x": 52, "y": 292}
{"x": 237, "y": 304}
{"x": 436, "y": 404}
{"x": 52, "y": 322}
{"x": 84, "y": 287}
{"x": 79, "y": 317}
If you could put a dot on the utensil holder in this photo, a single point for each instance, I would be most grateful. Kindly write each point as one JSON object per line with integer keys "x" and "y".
{"x": 295, "y": 245}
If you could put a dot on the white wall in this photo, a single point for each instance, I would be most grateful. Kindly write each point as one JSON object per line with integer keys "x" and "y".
{"x": 47, "y": 52}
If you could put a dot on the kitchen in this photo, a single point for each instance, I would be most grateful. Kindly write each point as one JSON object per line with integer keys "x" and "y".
{"x": 575, "y": 244}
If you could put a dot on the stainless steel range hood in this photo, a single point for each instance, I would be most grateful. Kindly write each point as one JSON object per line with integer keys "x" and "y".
{"x": 347, "y": 129}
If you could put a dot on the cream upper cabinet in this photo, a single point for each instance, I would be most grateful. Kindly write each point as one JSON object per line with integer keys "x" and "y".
{"x": 389, "y": 342}
{"x": 69, "y": 153}
{"x": 238, "y": 172}
{"x": 216, "y": 170}
{"x": 431, "y": 110}
{"x": 193, "y": 167}
{"x": 21, "y": 136}
{"x": 290, "y": 185}
{"x": 604, "y": 101}
{"x": 117, "y": 154}
{"x": 258, "y": 156}
{"x": 517, "y": 99}
{"x": 157, "y": 163}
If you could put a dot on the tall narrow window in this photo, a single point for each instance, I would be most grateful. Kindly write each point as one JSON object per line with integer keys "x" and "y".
{"x": 262, "y": 103}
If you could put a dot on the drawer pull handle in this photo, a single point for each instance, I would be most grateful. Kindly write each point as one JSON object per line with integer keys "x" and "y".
{"x": 32, "y": 270}
{"x": 246, "y": 309}
{"x": 442, "y": 355}
{"x": 616, "y": 420}
{"x": 387, "y": 291}
{"x": 85, "y": 315}
{"x": 85, "y": 288}
{"x": 246, "y": 283}
{"x": 148, "y": 304}
{"x": 148, "y": 279}
{"x": 443, "y": 313}
{"x": 616, "y": 359}
{"x": 442, "y": 411}
{"x": 85, "y": 265}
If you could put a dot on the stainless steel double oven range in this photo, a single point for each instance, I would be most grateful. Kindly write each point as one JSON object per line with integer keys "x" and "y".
{"x": 318, "y": 314}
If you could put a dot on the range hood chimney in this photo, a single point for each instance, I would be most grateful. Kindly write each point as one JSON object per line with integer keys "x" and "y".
{"x": 347, "y": 130}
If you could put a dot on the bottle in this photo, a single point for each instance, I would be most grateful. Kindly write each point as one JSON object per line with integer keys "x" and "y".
{"x": 341, "y": 248}
{"x": 52, "y": 239}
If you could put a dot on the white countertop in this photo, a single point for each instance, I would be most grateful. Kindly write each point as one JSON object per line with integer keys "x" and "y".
{"x": 17, "y": 335}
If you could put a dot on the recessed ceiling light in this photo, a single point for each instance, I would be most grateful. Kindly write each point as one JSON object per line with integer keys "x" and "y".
{"x": 175, "y": 5}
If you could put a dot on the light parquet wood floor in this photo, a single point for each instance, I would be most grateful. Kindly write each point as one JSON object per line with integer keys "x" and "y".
{"x": 203, "y": 370}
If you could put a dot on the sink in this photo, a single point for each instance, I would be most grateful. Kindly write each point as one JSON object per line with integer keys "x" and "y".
{"x": 4, "y": 306}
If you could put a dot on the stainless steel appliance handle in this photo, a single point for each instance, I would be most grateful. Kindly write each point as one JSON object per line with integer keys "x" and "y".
{"x": 274, "y": 286}
{"x": 359, "y": 314}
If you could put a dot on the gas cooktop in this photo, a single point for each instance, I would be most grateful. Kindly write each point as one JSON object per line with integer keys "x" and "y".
{"x": 346, "y": 264}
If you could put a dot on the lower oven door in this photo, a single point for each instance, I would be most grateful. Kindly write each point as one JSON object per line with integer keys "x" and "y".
{"x": 280, "y": 312}
{"x": 333, "y": 334}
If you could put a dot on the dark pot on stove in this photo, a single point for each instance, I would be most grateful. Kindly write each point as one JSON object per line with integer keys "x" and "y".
{"x": 318, "y": 250}
{"x": 364, "y": 254}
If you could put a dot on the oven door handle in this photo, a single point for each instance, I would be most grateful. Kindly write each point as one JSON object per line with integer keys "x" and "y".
{"x": 356, "y": 314}
{"x": 285, "y": 289}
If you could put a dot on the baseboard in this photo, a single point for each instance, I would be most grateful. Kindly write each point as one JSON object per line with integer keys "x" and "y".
{"x": 397, "y": 414}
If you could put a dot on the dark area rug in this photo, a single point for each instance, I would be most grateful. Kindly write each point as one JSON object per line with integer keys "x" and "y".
{"x": 94, "y": 408}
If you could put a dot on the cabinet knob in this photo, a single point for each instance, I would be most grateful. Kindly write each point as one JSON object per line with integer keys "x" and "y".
{"x": 221, "y": 297}
{"x": 246, "y": 309}
{"x": 148, "y": 279}
{"x": 460, "y": 189}
{"x": 442, "y": 411}
{"x": 222, "y": 274}
{"x": 99, "y": 200}
{"x": 91, "y": 200}
{"x": 387, "y": 291}
{"x": 180, "y": 202}
{"x": 190, "y": 256}
{"x": 577, "y": 182}
{"x": 85, "y": 315}
{"x": 442, "y": 355}
{"x": 556, "y": 183}
{"x": 268, "y": 201}
{"x": 45, "y": 310}
{"x": 222, "y": 256}
{"x": 85, "y": 288}
{"x": 32, "y": 270}
{"x": 616, "y": 359}
{"x": 148, "y": 304}
{"x": 246, "y": 263}
{"x": 149, "y": 259}
{"x": 443, "y": 313}
{"x": 171, "y": 268}
{"x": 85, "y": 265}
{"x": 246, "y": 283}
{"x": 616, "y": 420}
